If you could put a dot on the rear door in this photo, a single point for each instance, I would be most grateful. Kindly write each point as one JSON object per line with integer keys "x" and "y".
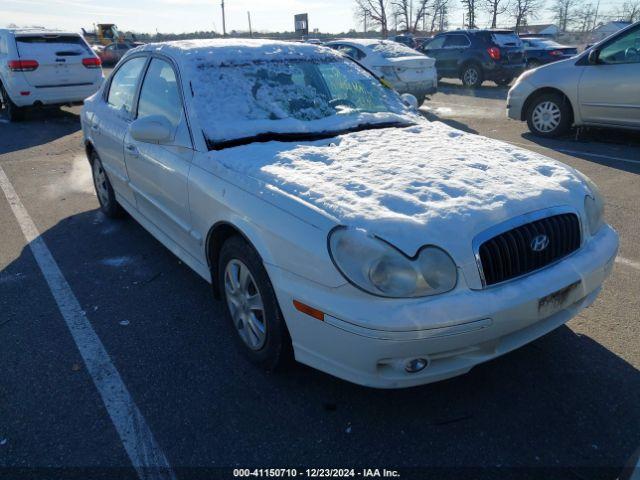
{"x": 60, "y": 60}
{"x": 455, "y": 48}
{"x": 110, "y": 122}
{"x": 609, "y": 92}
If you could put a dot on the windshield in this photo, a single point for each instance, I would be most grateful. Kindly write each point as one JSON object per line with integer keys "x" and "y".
{"x": 545, "y": 43}
{"x": 290, "y": 97}
{"x": 389, "y": 49}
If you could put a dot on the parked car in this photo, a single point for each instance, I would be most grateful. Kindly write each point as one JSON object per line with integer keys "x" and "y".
{"x": 407, "y": 70}
{"x": 45, "y": 67}
{"x": 474, "y": 56}
{"x": 540, "y": 51}
{"x": 408, "y": 40}
{"x": 600, "y": 87}
{"x": 112, "y": 53}
{"x": 335, "y": 222}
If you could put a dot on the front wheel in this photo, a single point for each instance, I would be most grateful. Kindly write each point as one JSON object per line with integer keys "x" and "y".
{"x": 549, "y": 115}
{"x": 472, "y": 76}
{"x": 251, "y": 305}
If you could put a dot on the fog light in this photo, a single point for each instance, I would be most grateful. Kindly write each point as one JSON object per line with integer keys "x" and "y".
{"x": 416, "y": 365}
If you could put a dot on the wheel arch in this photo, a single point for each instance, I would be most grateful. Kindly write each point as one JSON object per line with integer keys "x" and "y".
{"x": 89, "y": 148}
{"x": 543, "y": 91}
{"x": 468, "y": 62}
{"x": 218, "y": 234}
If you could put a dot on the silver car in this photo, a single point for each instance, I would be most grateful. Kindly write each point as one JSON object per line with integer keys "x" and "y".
{"x": 601, "y": 87}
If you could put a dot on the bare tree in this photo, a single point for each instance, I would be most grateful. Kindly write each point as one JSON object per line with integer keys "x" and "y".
{"x": 584, "y": 17}
{"x": 440, "y": 18}
{"x": 470, "y": 7}
{"x": 411, "y": 13}
{"x": 564, "y": 13}
{"x": 523, "y": 10}
{"x": 376, "y": 12}
{"x": 630, "y": 11}
{"x": 495, "y": 8}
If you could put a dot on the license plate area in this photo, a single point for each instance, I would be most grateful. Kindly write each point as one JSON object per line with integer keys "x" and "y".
{"x": 559, "y": 300}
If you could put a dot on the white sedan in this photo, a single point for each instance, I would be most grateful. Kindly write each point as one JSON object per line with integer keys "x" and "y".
{"x": 336, "y": 224}
{"x": 406, "y": 69}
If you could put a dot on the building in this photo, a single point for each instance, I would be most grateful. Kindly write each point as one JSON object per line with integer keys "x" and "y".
{"x": 606, "y": 29}
{"x": 548, "y": 30}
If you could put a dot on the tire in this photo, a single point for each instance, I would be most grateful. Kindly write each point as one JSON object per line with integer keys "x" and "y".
{"x": 104, "y": 191}
{"x": 504, "y": 82}
{"x": 258, "y": 324}
{"x": 10, "y": 110}
{"x": 472, "y": 76}
{"x": 549, "y": 115}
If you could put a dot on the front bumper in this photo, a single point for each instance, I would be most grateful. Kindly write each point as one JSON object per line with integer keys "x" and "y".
{"x": 517, "y": 98}
{"x": 368, "y": 341}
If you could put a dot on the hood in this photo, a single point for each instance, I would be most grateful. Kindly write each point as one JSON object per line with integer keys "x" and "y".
{"x": 412, "y": 186}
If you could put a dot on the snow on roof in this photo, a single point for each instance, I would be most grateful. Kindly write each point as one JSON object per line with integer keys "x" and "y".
{"x": 230, "y": 51}
{"x": 37, "y": 31}
{"x": 403, "y": 183}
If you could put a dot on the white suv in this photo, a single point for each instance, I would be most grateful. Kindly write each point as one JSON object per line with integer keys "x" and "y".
{"x": 45, "y": 67}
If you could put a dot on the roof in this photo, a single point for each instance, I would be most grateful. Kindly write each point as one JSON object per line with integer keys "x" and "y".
{"x": 365, "y": 42}
{"x": 617, "y": 25}
{"x": 37, "y": 31}
{"x": 536, "y": 28}
{"x": 236, "y": 51}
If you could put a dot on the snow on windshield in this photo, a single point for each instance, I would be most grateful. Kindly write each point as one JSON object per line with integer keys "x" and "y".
{"x": 254, "y": 91}
{"x": 389, "y": 49}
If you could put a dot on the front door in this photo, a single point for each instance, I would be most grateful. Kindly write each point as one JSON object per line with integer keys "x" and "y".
{"x": 609, "y": 91}
{"x": 159, "y": 173}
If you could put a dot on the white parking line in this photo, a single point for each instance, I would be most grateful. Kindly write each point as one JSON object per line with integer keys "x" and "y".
{"x": 628, "y": 263}
{"x": 576, "y": 152}
{"x": 145, "y": 454}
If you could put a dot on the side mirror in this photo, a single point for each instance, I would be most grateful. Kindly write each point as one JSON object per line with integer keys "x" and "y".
{"x": 410, "y": 101}
{"x": 152, "y": 129}
{"x": 594, "y": 57}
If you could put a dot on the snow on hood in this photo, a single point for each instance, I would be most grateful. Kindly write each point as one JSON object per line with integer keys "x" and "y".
{"x": 412, "y": 186}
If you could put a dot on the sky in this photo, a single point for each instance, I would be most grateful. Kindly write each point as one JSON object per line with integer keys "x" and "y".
{"x": 178, "y": 16}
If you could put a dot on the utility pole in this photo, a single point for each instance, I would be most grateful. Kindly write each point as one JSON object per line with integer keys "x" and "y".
{"x": 366, "y": 12}
{"x": 250, "y": 30}
{"x": 224, "y": 21}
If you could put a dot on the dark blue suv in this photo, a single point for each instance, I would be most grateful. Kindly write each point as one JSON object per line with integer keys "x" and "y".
{"x": 474, "y": 56}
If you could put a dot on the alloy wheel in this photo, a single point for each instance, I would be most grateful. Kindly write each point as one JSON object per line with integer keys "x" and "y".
{"x": 245, "y": 304}
{"x": 470, "y": 76}
{"x": 100, "y": 182}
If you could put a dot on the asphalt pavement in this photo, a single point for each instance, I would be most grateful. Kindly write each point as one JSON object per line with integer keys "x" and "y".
{"x": 565, "y": 406}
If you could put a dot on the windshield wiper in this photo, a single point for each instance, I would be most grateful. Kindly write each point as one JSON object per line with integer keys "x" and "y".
{"x": 301, "y": 137}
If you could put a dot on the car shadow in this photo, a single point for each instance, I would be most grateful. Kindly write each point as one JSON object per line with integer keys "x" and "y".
{"x": 488, "y": 90}
{"x": 40, "y": 126}
{"x": 432, "y": 117}
{"x": 597, "y": 145}
{"x": 564, "y": 406}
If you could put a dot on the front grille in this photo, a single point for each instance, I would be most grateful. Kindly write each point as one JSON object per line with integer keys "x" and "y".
{"x": 513, "y": 254}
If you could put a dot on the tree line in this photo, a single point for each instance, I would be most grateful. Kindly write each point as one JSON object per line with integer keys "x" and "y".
{"x": 429, "y": 16}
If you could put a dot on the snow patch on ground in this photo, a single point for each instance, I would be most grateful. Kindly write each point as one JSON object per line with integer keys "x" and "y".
{"x": 117, "y": 261}
{"x": 395, "y": 182}
{"x": 76, "y": 180}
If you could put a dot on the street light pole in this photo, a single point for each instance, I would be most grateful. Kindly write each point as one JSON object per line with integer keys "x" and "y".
{"x": 224, "y": 21}
{"x": 250, "y": 29}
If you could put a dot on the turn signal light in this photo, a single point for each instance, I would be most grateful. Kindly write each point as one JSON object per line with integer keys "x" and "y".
{"x": 22, "y": 65}
{"x": 91, "y": 62}
{"x": 306, "y": 309}
{"x": 494, "y": 53}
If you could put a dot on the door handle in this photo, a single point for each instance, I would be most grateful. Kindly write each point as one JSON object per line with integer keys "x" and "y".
{"x": 132, "y": 150}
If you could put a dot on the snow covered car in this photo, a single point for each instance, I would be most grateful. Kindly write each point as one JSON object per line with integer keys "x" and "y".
{"x": 406, "y": 69}
{"x": 45, "y": 67}
{"x": 335, "y": 223}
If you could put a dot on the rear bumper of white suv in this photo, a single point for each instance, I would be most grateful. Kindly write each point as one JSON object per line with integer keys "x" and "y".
{"x": 452, "y": 332}
{"x": 25, "y": 95}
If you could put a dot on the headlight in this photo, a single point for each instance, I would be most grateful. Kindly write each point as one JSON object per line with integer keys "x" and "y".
{"x": 593, "y": 205}
{"x": 380, "y": 269}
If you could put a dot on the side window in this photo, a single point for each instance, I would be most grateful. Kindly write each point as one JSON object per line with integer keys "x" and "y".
{"x": 160, "y": 94}
{"x": 124, "y": 83}
{"x": 3, "y": 45}
{"x": 435, "y": 44}
{"x": 624, "y": 49}
{"x": 456, "y": 41}
{"x": 359, "y": 53}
